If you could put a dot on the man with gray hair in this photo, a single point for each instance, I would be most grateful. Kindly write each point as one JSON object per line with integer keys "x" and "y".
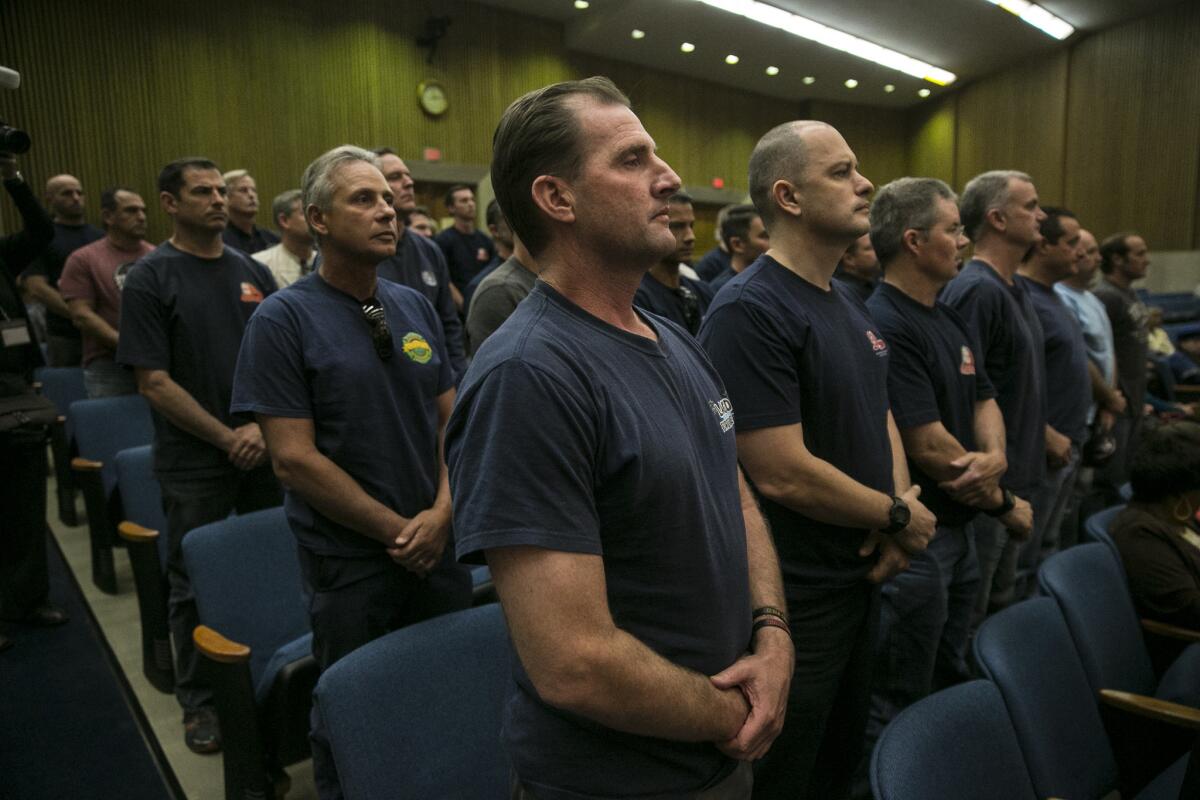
{"x": 293, "y": 257}
{"x": 953, "y": 435}
{"x": 1001, "y": 215}
{"x": 350, "y": 379}
{"x": 807, "y": 374}
{"x": 242, "y": 232}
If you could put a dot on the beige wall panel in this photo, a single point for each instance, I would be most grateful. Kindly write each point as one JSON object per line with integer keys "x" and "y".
{"x": 931, "y": 141}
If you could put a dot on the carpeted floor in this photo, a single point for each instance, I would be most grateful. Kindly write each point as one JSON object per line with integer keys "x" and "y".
{"x": 67, "y": 725}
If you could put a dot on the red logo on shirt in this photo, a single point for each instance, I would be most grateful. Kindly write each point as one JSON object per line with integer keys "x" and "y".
{"x": 251, "y": 293}
{"x": 879, "y": 346}
{"x": 967, "y": 367}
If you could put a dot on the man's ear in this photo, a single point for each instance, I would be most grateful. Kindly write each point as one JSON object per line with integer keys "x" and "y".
{"x": 910, "y": 240}
{"x": 737, "y": 245}
{"x": 168, "y": 201}
{"x": 315, "y": 218}
{"x": 996, "y": 217}
{"x": 787, "y": 197}
{"x": 553, "y": 196}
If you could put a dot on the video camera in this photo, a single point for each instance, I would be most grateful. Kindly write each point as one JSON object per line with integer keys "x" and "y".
{"x": 12, "y": 140}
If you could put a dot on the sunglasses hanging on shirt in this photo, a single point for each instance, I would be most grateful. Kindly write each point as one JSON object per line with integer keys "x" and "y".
{"x": 381, "y": 335}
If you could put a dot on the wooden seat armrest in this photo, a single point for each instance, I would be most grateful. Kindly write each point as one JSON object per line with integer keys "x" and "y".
{"x": 85, "y": 465}
{"x": 1170, "y": 631}
{"x": 1151, "y": 707}
{"x": 61, "y": 420}
{"x": 218, "y": 648}
{"x": 1186, "y": 388}
{"x": 132, "y": 532}
{"x": 37, "y": 386}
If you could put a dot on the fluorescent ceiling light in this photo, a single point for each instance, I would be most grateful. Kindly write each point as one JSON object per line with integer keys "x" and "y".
{"x": 687, "y": 47}
{"x": 809, "y": 80}
{"x": 731, "y": 59}
{"x": 851, "y": 83}
{"x": 772, "y": 71}
{"x": 1037, "y": 16}
{"x": 638, "y": 34}
{"x": 823, "y": 34}
{"x": 582, "y": 4}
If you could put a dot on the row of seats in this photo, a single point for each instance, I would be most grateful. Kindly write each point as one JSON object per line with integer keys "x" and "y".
{"x": 1072, "y": 705}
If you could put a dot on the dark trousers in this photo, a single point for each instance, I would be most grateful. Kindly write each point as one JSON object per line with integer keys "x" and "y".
{"x": 736, "y": 786}
{"x": 24, "y": 575}
{"x": 64, "y": 351}
{"x": 828, "y": 703}
{"x": 357, "y": 600}
{"x": 189, "y": 503}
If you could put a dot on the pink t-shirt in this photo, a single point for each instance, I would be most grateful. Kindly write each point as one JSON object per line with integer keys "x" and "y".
{"x": 96, "y": 273}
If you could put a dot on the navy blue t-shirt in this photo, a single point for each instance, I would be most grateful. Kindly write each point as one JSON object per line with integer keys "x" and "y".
{"x": 254, "y": 241}
{"x": 791, "y": 352}
{"x": 466, "y": 253}
{"x": 1066, "y": 359}
{"x": 308, "y": 354}
{"x": 723, "y": 277}
{"x": 186, "y": 315}
{"x": 570, "y": 434}
{"x": 862, "y": 288}
{"x": 712, "y": 264}
{"x": 675, "y": 304}
{"x": 1010, "y": 336}
{"x": 935, "y": 375}
{"x": 67, "y": 239}
{"x": 420, "y": 264}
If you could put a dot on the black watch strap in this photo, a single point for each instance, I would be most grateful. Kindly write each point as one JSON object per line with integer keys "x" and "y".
{"x": 1010, "y": 500}
{"x": 900, "y": 516}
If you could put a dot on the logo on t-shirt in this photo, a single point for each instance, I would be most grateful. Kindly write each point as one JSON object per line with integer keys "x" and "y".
{"x": 416, "y": 348}
{"x": 878, "y": 346}
{"x": 481, "y": 254}
{"x": 121, "y": 273}
{"x": 723, "y": 410}
{"x": 429, "y": 278}
{"x": 967, "y": 367}
{"x": 251, "y": 293}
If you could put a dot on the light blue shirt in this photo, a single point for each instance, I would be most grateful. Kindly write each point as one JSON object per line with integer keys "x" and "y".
{"x": 1097, "y": 331}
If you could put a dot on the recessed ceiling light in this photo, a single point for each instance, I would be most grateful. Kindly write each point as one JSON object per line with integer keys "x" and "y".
{"x": 772, "y": 71}
{"x": 687, "y": 47}
{"x": 1038, "y": 17}
{"x": 830, "y": 37}
{"x": 638, "y": 34}
{"x": 851, "y": 83}
{"x": 731, "y": 59}
{"x": 923, "y": 93}
{"x": 809, "y": 80}
{"x": 889, "y": 88}
{"x": 582, "y": 4}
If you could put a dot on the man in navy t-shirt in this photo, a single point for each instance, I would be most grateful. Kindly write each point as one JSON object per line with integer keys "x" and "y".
{"x": 664, "y": 290}
{"x": 420, "y": 264}
{"x": 593, "y": 463}
{"x": 467, "y": 249}
{"x": 183, "y": 310}
{"x": 953, "y": 435}
{"x": 742, "y": 228}
{"x": 350, "y": 380}
{"x": 859, "y": 268}
{"x": 1000, "y": 214}
{"x": 1053, "y": 259}
{"x": 807, "y": 373}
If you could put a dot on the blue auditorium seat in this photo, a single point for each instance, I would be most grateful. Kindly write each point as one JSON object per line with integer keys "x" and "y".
{"x": 62, "y": 386}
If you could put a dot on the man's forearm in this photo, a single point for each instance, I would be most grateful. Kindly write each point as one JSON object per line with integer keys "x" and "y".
{"x": 171, "y": 400}
{"x": 91, "y": 323}
{"x": 989, "y": 427}
{"x": 901, "y": 480}
{"x": 1102, "y": 392}
{"x": 933, "y": 448}
{"x": 766, "y": 581}
{"x": 47, "y": 295}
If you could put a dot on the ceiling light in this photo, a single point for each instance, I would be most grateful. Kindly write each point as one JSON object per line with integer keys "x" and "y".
{"x": 851, "y": 83}
{"x": 809, "y": 80}
{"x": 638, "y": 34}
{"x": 1038, "y": 17}
{"x": 923, "y": 93}
{"x": 889, "y": 88}
{"x": 731, "y": 59}
{"x": 582, "y": 4}
{"x": 687, "y": 47}
{"x": 822, "y": 34}
{"x": 772, "y": 71}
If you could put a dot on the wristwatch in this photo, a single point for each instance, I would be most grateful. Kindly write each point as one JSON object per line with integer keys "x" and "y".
{"x": 898, "y": 517}
{"x": 1005, "y": 506}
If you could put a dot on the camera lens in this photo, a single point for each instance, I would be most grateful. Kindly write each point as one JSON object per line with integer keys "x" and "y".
{"x": 13, "y": 140}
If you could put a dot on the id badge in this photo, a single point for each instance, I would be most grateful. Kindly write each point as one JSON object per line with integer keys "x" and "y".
{"x": 14, "y": 332}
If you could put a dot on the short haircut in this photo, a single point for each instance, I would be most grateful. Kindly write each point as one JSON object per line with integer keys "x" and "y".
{"x": 902, "y": 205}
{"x": 1166, "y": 462}
{"x": 493, "y": 214}
{"x": 108, "y": 198}
{"x": 1112, "y": 247}
{"x": 780, "y": 153}
{"x": 171, "y": 180}
{"x": 1052, "y": 227}
{"x": 721, "y": 221}
{"x": 737, "y": 222}
{"x": 235, "y": 175}
{"x": 458, "y": 187}
{"x": 422, "y": 210}
{"x": 539, "y": 135}
{"x": 680, "y": 199}
{"x": 983, "y": 193}
{"x": 281, "y": 206}
{"x": 317, "y": 181}
{"x": 384, "y": 151}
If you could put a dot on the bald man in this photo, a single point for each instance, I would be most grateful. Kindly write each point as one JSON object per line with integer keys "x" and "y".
{"x": 65, "y": 202}
{"x": 806, "y": 370}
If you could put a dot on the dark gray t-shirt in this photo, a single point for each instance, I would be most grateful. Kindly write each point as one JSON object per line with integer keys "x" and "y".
{"x": 1129, "y": 317}
{"x": 495, "y": 300}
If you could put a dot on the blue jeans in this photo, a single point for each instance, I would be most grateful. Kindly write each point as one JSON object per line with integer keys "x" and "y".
{"x": 924, "y": 626}
{"x": 103, "y": 377}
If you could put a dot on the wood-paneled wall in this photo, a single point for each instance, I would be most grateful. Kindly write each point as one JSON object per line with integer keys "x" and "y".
{"x": 114, "y": 89}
